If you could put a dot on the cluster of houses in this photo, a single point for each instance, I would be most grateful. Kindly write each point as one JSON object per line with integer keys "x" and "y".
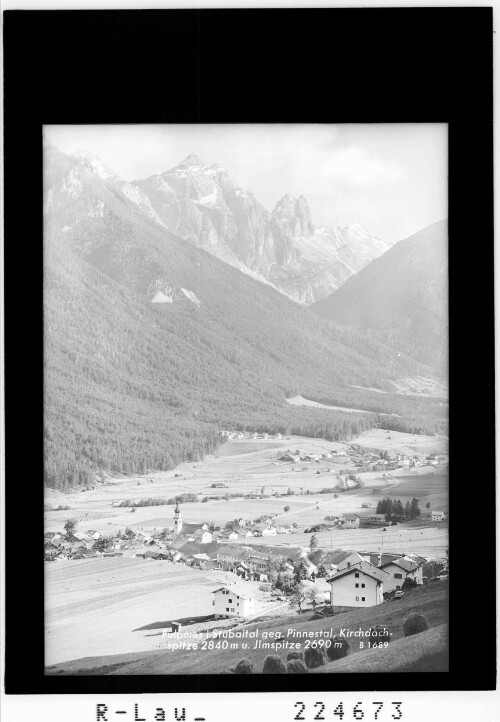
{"x": 91, "y": 543}
{"x": 247, "y": 563}
{"x": 393, "y": 460}
{"x": 353, "y": 520}
{"x": 362, "y": 579}
{"x": 197, "y": 537}
{"x": 369, "y": 518}
{"x": 298, "y": 455}
{"x": 158, "y": 544}
{"x": 354, "y": 579}
{"x": 204, "y": 533}
{"x": 60, "y": 546}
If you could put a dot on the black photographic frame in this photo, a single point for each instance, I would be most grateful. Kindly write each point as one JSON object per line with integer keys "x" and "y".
{"x": 318, "y": 65}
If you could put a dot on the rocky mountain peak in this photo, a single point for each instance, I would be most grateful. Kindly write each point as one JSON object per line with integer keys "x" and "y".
{"x": 199, "y": 202}
{"x": 191, "y": 162}
{"x": 295, "y": 214}
{"x": 94, "y": 163}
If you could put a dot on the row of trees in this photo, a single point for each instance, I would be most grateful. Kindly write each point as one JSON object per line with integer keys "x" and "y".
{"x": 395, "y": 511}
{"x": 180, "y": 498}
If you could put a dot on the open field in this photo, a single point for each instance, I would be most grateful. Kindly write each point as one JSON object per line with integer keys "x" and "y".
{"x": 247, "y": 446}
{"x": 301, "y": 401}
{"x": 423, "y": 386}
{"x": 431, "y": 601}
{"x": 248, "y": 472}
{"x": 401, "y": 539}
{"x": 100, "y": 605}
{"x": 416, "y": 385}
{"x": 402, "y": 443}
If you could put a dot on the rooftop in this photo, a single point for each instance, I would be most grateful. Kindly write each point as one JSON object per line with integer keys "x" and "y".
{"x": 239, "y": 589}
{"x": 405, "y": 564}
{"x": 363, "y": 567}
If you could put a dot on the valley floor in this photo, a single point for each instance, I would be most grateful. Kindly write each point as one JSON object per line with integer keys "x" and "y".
{"x": 101, "y": 606}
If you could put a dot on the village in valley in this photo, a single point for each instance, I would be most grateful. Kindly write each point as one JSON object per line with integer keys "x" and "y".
{"x": 268, "y": 530}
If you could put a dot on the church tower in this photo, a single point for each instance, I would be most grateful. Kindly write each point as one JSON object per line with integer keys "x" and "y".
{"x": 177, "y": 520}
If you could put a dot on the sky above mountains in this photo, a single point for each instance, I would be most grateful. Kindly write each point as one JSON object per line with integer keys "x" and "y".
{"x": 392, "y": 178}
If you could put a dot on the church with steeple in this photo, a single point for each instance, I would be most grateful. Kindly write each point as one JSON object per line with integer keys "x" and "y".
{"x": 177, "y": 519}
{"x": 192, "y": 532}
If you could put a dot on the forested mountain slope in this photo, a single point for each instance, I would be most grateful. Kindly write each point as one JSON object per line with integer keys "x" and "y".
{"x": 401, "y": 298}
{"x": 154, "y": 345}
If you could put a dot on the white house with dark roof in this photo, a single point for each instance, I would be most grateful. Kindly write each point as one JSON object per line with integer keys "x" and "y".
{"x": 362, "y": 585}
{"x": 401, "y": 569}
{"x": 234, "y": 600}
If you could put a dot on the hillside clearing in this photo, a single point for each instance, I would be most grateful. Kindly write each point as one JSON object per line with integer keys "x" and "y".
{"x": 100, "y": 604}
{"x": 430, "y": 600}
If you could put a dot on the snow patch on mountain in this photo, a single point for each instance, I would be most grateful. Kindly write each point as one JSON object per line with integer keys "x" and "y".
{"x": 161, "y": 291}
{"x": 161, "y": 297}
{"x": 191, "y": 295}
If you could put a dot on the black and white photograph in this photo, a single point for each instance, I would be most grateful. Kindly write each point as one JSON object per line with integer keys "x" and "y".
{"x": 245, "y": 399}
{"x": 249, "y": 364}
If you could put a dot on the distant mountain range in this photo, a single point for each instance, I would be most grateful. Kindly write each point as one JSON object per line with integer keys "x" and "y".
{"x": 200, "y": 203}
{"x": 401, "y": 298}
{"x": 152, "y": 345}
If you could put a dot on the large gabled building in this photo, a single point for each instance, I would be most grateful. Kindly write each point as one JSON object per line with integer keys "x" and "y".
{"x": 361, "y": 585}
{"x": 234, "y": 600}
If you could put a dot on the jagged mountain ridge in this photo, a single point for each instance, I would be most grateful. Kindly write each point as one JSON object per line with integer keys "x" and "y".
{"x": 200, "y": 203}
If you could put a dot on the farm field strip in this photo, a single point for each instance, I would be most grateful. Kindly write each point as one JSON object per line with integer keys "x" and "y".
{"x": 147, "y": 593}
